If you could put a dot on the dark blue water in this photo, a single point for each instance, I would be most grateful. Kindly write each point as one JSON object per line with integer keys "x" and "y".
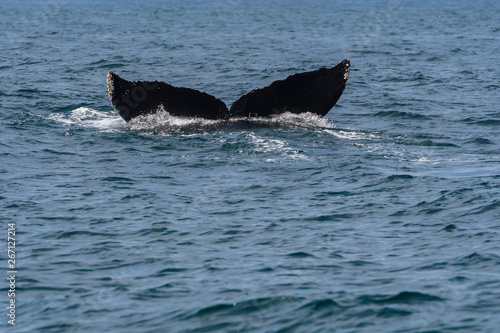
{"x": 382, "y": 217}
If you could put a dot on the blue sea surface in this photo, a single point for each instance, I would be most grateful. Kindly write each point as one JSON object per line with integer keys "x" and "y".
{"x": 384, "y": 216}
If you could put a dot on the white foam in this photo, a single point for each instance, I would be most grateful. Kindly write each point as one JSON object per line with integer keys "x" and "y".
{"x": 277, "y": 147}
{"x": 350, "y": 135}
{"x": 87, "y": 117}
{"x": 163, "y": 120}
{"x": 164, "y": 123}
{"x": 289, "y": 119}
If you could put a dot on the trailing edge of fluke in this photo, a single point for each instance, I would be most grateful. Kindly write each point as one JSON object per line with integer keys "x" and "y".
{"x": 316, "y": 91}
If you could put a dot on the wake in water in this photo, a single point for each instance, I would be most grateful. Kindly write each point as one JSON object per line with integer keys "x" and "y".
{"x": 381, "y": 146}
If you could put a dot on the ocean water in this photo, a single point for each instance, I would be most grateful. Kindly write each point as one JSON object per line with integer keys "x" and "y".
{"x": 384, "y": 216}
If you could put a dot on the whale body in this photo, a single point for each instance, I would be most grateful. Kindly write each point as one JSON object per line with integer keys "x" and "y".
{"x": 315, "y": 91}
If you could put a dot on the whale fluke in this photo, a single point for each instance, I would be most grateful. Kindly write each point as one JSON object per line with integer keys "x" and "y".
{"x": 316, "y": 91}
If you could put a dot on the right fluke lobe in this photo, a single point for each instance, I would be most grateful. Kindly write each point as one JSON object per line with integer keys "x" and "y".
{"x": 316, "y": 91}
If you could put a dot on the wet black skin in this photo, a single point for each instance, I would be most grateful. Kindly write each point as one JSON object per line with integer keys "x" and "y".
{"x": 316, "y": 91}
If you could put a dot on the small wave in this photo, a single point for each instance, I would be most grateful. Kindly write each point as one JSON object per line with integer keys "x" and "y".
{"x": 430, "y": 143}
{"x": 427, "y": 143}
{"x": 481, "y": 122}
{"x": 476, "y": 258}
{"x": 321, "y": 304}
{"x": 400, "y": 114}
{"x": 299, "y": 255}
{"x": 492, "y": 87}
{"x": 107, "y": 64}
{"x": 480, "y": 141}
{"x": 245, "y": 307}
{"x": 399, "y": 177}
{"x": 331, "y": 217}
{"x": 483, "y": 209}
{"x": 488, "y": 122}
{"x": 80, "y": 233}
{"x": 119, "y": 180}
{"x": 402, "y": 297}
{"x": 450, "y": 228}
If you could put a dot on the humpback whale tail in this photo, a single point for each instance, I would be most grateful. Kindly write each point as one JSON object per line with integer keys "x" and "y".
{"x": 316, "y": 91}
